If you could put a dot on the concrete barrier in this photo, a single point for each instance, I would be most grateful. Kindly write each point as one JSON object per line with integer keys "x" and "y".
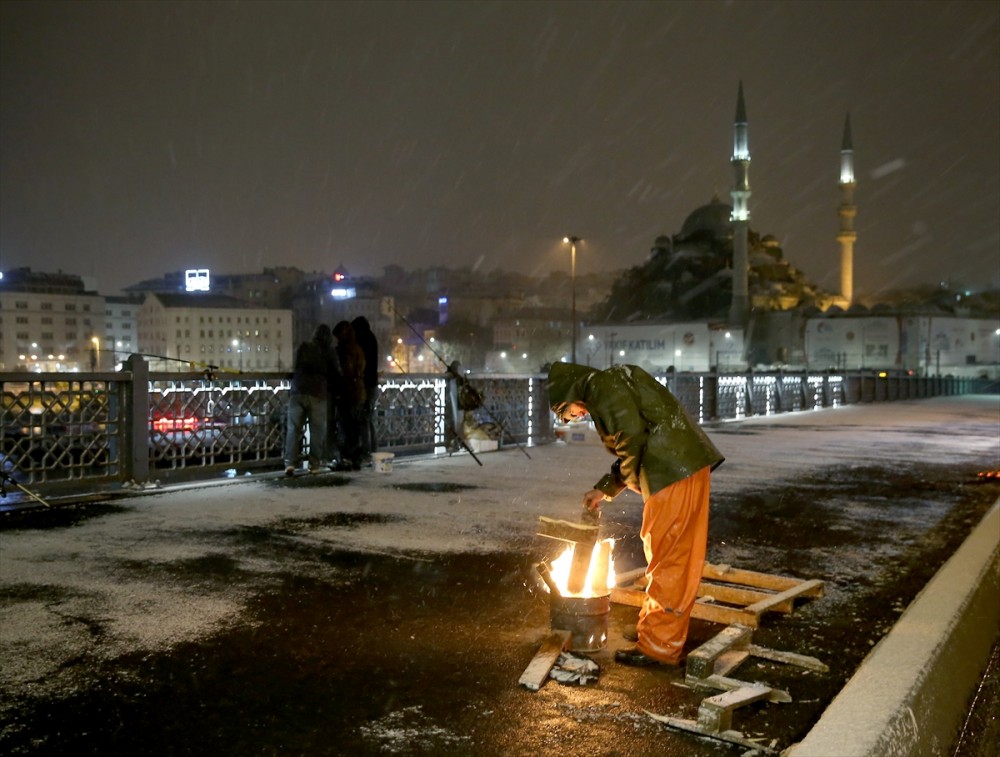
{"x": 910, "y": 695}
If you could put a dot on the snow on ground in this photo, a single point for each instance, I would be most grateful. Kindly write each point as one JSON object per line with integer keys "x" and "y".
{"x": 115, "y": 576}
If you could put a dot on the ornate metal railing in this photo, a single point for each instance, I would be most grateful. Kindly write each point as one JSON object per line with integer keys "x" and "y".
{"x": 79, "y": 433}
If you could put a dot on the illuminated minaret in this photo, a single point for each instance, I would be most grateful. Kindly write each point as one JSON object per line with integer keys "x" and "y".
{"x": 847, "y": 211}
{"x": 740, "y": 307}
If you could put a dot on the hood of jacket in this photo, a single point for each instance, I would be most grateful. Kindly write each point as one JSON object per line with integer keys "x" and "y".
{"x": 568, "y": 383}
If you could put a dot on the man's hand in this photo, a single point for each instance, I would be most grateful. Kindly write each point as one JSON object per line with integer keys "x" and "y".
{"x": 592, "y": 500}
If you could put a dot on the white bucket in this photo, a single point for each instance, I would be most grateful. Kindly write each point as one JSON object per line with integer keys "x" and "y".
{"x": 382, "y": 462}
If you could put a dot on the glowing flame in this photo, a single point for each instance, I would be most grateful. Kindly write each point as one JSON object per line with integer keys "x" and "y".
{"x": 600, "y": 575}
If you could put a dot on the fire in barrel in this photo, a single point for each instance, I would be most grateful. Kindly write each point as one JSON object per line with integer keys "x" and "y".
{"x": 579, "y": 582}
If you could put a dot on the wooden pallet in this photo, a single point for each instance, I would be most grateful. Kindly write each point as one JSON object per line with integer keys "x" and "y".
{"x": 707, "y": 669}
{"x": 729, "y": 595}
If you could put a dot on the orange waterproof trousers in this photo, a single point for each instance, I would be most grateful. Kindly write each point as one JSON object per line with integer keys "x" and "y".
{"x": 674, "y": 536}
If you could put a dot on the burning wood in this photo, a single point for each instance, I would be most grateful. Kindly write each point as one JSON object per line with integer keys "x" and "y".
{"x": 579, "y": 582}
{"x": 598, "y": 572}
{"x": 586, "y": 567}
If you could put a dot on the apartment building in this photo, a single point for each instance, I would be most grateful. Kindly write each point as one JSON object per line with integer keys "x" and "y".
{"x": 50, "y": 322}
{"x": 203, "y": 329}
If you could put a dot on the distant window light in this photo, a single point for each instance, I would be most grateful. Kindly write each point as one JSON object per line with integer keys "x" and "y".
{"x": 442, "y": 300}
{"x": 343, "y": 293}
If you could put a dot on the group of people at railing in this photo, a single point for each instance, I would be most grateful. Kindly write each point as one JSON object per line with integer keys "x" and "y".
{"x": 333, "y": 392}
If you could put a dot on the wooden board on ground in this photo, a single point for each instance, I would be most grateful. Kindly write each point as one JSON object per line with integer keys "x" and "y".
{"x": 729, "y": 736}
{"x": 729, "y": 595}
{"x": 720, "y": 654}
{"x": 789, "y": 658}
{"x": 537, "y": 672}
{"x": 715, "y": 714}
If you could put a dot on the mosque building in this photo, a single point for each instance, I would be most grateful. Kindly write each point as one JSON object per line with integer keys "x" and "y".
{"x": 718, "y": 293}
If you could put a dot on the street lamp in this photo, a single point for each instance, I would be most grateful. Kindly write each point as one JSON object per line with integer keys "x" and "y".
{"x": 239, "y": 350}
{"x": 572, "y": 242}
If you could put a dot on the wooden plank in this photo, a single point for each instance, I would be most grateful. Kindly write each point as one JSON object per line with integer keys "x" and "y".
{"x": 546, "y": 573}
{"x": 583, "y": 554}
{"x": 758, "y": 580}
{"x": 599, "y": 583}
{"x": 750, "y": 602}
{"x": 630, "y": 597}
{"x": 731, "y": 737}
{"x": 701, "y": 662}
{"x": 626, "y": 578}
{"x": 721, "y": 614}
{"x": 724, "y": 683}
{"x": 564, "y": 530}
{"x": 804, "y": 588}
{"x": 716, "y": 713}
{"x": 790, "y": 658}
{"x": 537, "y": 672}
{"x": 713, "y": 613}
{"x": 733, "y": 595}
{"x": 748, "y": 577}
{"x": 729, "y": 661}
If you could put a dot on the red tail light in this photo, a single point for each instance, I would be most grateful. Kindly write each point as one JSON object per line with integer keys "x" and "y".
{"x": 164, "y": 425}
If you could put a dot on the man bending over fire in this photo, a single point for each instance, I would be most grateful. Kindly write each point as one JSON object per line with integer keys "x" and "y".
{"x": 664, "y": 456}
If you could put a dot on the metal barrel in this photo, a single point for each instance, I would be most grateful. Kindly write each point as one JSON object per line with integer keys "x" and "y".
{"x": 586, "y": 618}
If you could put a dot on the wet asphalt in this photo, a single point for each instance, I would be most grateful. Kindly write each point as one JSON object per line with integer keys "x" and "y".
{"x": 379, "y": 654}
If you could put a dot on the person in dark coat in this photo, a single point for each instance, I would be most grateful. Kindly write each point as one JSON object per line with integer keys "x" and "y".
{"x": 369, "y": 345}
{"x": 664, "y": 456}
{"x": 352, "y": 368}
{"x": 334, "y": 396}
{"x": 315, "y": 361}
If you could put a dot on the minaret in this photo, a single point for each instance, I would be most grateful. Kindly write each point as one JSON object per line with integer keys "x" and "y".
{"x": 847, "y": 211}
{"x": 740, "y": 307}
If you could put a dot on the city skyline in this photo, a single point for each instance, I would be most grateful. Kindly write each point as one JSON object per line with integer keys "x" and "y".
{"x": 147, "y": 138}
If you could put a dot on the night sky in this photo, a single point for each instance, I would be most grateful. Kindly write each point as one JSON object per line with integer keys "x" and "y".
{"x": 141, "y": 138}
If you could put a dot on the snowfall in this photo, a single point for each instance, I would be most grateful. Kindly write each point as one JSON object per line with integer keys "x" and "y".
{"x": 498, "y": 511}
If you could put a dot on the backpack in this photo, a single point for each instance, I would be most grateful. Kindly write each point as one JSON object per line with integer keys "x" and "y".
{"x": 469, "y": 398}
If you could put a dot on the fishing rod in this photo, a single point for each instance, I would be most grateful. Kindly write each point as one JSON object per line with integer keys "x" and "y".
{"x": 6, "y": 478}
{"x": 207, "y": 368}
{"x": 460, "y": 379}
{"x": 461, "y": 439}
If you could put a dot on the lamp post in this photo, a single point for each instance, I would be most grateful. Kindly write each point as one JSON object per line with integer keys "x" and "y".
{"x": 239, "y": 351}
{"x": 572, "y": 275}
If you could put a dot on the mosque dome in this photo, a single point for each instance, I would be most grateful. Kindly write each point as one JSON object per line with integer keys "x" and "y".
{"x": 715, "y": 218}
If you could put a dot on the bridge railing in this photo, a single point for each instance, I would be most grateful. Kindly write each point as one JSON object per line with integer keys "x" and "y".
{"x": 73, "y": 433}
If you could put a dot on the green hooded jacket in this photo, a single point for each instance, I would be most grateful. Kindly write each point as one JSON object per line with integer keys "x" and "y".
{"x": 640, "y": 422}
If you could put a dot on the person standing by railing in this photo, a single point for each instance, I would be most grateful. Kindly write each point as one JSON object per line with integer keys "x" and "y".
{"x": 352, "y": 365}
{"x": 369, "y": 345}
{"x": 307, "y": 401}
